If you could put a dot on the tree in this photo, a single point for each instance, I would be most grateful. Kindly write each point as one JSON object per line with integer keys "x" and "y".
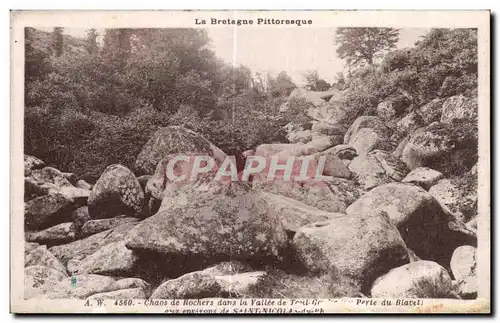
{"x": 37, "y": 62}
{"x": 117, "y": 45}
{"x": 91, "y": 38}
{"x": 361, "y": 45}
{"x": 314, "y": 83}
{"x": 37, "y": 66}
{"x": 166, "y": 65}
{"x": 340, "y": 81}
{"x": 57, "y": 41}
{"x": 104, "y": 98}
{"x": 340, "y": 78}
{"x": 282, "y": 85}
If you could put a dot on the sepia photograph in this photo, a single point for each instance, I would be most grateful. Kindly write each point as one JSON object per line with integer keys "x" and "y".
{"x": 251, "y": 162}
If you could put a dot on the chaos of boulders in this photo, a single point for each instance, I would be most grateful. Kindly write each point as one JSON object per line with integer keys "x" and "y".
{"x": 383, "y": 222}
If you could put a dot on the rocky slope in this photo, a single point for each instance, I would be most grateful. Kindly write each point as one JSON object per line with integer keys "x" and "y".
{"x": 386, "y": 222}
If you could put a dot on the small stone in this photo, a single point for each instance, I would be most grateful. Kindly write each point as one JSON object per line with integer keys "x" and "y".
{"x": 424, "y": 177}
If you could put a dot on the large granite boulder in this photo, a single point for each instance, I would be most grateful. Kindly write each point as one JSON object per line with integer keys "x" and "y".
{"x": 331, "y": 195}
{"x": 33, "y": 189}
{"x": 40, "y": 256}
{"x": 463, "y": 262}
{"x": 39, "y": 280}
{"x": 326, "y": 107}
{"x": 45, "y": 211}
{"x": 173, "y": 140}
{"x": 182, "y": 168}
{"x": 89, "y": 245}
{"x": 431, "y": 111}
{"x": 49, "y": 175}
{"x": 453, "y": 198}
{"x": 211, "y": 221}
{"x": 464, "y": 268}
{"x": 368, "y": 172}
{"x": 367, "y": 133}
{"x": 29, "y": 247}
{"x": 420, "y": 279}
{"x": 295, "y": 214}
{"x": 116, "y": 192}
{"x": 376, "y": 168}
{"x": 370, "y": 122}
{"x": 228, "y": 279}
{"x": 131, "y": 283}
{"x": 355, "y": 247}
{"x": 56, "y": 235}
{"x": 113, "y": 259}
{"x": 31, "y": 163}
{"x": 459, "y": 107}
{"x": 425, "y": 147}
{"x": 428, "y": 230}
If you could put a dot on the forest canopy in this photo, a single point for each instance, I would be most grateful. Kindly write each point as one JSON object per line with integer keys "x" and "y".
{"x": 89, "y": 105}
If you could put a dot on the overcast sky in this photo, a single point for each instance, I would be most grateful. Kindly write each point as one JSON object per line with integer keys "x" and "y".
{"x": 294, "y": 50}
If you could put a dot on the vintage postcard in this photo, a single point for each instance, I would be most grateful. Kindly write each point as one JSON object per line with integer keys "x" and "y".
{"x": 250, "y": 162}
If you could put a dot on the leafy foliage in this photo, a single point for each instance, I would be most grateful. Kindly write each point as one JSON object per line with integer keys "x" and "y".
{"x": 57, "y": 41}
{"x": 464, "y": 134}
{"x": 282, "y": 85}
{"x": 91, "y": 39}
{"x": 361, "y": 45}
{"x": 297, "y": 111}
{"x": 97, "y": 104}
{"x": 442, "y": 64}
{"x": 314, "y": 83}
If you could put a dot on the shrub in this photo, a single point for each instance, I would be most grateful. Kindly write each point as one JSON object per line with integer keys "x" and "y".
{"x": 249, "y": 130}
{"x": 396, "y": 60}
{"x": 280, "y": 284}
{"x": 443, "y": 64}
{"x": 297, "y": 111}
{"x": 464, "y": 134}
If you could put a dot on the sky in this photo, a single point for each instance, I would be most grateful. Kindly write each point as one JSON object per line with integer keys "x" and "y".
{"x": 294, "y": 50}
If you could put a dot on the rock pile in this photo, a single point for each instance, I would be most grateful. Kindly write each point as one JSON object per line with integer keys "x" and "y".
{"x": 384, "y": 220}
